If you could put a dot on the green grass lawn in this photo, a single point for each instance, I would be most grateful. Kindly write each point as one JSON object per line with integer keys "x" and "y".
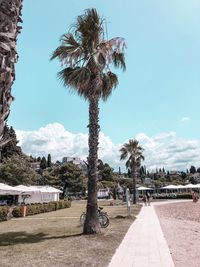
{"x": 55, "y": 238}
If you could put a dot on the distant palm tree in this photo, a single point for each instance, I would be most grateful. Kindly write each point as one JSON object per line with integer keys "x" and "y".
{"x": 10, "y": 15}
{"x": 87, "y": 57}
{"x": 133, "y": 152}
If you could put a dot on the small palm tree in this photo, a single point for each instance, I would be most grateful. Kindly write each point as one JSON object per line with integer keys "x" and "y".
{"x": 87, "y": 57}
{"x": 133, "y": 152}
{"x": 10, "y": 14}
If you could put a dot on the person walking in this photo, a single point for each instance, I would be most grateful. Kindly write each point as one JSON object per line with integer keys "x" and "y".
{"x": 144, "y": 200}
{"x": 148, "y": 198}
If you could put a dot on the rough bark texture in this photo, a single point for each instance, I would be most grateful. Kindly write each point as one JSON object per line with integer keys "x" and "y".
{"x": 134, "y": 185}
{"x": 10, "y": 16}
{"x": 92, "y": 225}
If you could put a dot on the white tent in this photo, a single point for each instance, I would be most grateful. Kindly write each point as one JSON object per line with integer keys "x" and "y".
{"x": 26, "y": 189}
{"x": 190, "y": 186}
{"x": 8, "y": 190}
{"x": 143, "y": 188}
{"x": 170, "y": 186}
{"x": 39, "y": 194}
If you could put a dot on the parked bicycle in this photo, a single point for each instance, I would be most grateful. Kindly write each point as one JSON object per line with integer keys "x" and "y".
{"x": 102, "y": 215}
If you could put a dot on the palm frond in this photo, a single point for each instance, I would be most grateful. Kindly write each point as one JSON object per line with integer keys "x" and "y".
{"x": 119, "y": 60}
{"x": 124, "y": 153}
{"x": 76, "y": 78}
{"x": 69, "y": 52}
{"x": 110, "y": 82}
{"x": 89, "y": 29}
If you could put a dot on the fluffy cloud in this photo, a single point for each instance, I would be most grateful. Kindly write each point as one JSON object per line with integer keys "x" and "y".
{"x": 184, "y": 119}
{"x": 162, "y": 150}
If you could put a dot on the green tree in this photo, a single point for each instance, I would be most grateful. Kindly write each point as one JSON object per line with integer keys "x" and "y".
{"x": 49, "y": 161}
{"x": 87, "y": 56}
{"x": 16, "y": 170}
{"x": 10, "y": 14}
{"x": 68, "y": 177}
{"x": 43, "y": 163}
{"x": 192, "y": 169}
{"x": 133, "y": 152}
{"x": 11, "y": 148}
{"x": 105, "y": 172}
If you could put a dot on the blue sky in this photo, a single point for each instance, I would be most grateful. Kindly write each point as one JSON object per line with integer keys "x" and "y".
{"x": 159, "y": 92}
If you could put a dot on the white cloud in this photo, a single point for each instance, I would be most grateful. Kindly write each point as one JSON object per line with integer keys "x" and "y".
{"x": 185, "y": 119}
{"x": 162, "y": 150}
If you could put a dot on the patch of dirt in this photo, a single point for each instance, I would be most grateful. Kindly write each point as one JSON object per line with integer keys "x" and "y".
{"x": 180, "y": 223}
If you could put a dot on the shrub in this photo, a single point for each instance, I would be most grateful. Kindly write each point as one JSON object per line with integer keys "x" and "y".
{"x": 37, "y": 208}
{"x": 3, "y": 213}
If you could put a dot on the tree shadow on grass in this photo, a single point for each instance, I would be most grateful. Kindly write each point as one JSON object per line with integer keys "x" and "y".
{"x": 15, "y": 238}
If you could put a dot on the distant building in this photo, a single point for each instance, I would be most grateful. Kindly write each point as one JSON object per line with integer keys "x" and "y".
{"x": 35, "y": 166}
{"x": 77, "y": 161}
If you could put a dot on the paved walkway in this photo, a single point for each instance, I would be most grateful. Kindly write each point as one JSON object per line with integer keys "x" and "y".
{"x": 144, "y": 244}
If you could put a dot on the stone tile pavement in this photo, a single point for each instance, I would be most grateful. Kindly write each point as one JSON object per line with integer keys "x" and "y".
{"x": 144, "y": 244}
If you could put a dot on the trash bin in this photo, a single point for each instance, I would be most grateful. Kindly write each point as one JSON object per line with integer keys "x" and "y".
{"x": 23, "y": 211}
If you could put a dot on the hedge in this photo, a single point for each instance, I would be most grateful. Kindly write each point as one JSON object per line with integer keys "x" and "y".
{"x": 3, "y": 213}
{"x": 36, "y": 208}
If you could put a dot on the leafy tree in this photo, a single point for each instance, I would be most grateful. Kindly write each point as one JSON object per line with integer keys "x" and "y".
{"x": 105, "y": 171}
{"x": 11, "y": 147}
{"x": 68, "y": 177}
{"x": 43, "y": 163}
{"x": 133, "y": 152}
{"x": 16, "y": 170}
{"x": 198, "y": 170}
{"x": 49, "y": 160}
{"x": 10, "y": 14}
{"x": 87, "y": 56}
{"x": 192, "y": 169}
{"x": 183, "y": 175}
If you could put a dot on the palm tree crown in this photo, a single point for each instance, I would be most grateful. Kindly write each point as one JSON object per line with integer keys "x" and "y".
{"x": 86, "y": 56}
{"x": 133, "y": 152}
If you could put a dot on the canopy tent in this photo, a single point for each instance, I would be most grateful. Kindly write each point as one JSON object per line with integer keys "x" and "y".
{"x": 143, "y": 188}
{"x": 180, "y": 186}
{"x": 170, "y": 186}
{"x": 26, "y": 189}
{"x": 8, "y": 190}
{"x": 47, "y": 189}
{"x": 39, "y": 194}
{"x": 191, "y": 186}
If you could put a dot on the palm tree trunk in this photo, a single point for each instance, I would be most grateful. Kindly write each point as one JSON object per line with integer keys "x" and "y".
{"x": 10, "y": 14}
{"x": 92, "y": 225}
{"x": 134, "y": 186}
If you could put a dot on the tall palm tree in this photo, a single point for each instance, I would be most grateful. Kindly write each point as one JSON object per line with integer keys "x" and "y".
{"x": 133, "y": 152}
{"x": 87, "y": 57}
{"x": 10, "y": 16}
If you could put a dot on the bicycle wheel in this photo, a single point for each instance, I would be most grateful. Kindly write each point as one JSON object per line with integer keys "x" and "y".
{"x": 104, "y": 221}
{"x": 82, "y": 218}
